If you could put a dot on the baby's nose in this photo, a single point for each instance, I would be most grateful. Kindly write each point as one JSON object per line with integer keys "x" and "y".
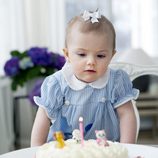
{"x": 91, "y": 61}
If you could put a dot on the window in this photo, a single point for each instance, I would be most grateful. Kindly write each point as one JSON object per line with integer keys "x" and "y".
{"x": 135, "y": 22}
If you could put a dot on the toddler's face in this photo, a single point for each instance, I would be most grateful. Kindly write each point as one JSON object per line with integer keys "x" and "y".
{"x": 89, "y": 54}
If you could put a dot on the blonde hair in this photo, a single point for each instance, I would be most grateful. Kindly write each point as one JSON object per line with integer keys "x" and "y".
{"x": 103, "y": 26}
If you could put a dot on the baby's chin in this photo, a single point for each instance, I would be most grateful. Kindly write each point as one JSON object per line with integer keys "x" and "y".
{"x": 88, "y": 80}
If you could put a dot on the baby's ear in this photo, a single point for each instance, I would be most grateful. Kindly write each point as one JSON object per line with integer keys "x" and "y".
{"x": 65, "y": 51}
{"x": 66, "y": 54}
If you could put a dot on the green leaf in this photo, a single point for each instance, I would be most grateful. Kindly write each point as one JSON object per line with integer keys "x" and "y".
{"x": 49, "y": 71}
{"x": 15, "y": 53}
{"x": 33, "y": 72}
{"x": 22, "y": 55}
{"x": 18, "y": 80}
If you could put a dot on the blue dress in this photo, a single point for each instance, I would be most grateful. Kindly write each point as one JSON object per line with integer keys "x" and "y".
{"x": 65, "y": 99}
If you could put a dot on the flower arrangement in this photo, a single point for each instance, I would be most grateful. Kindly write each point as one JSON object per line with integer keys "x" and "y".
{"x": 30, "y": 64}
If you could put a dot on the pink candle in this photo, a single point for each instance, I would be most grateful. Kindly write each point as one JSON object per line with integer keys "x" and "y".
{"x": 81, "y": 129}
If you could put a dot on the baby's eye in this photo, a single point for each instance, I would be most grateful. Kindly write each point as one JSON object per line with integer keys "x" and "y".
{"x": 81, "y": 54}
{"x": 101, "y": 56}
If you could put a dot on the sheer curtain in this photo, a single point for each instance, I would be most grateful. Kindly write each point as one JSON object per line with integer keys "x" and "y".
{"x": 27, "y": 23}
{"x": 144, "y": 26}
{"x": 23, "y": 24}
{"x": 45, "y": 23}
{"x": 11, "y": 28}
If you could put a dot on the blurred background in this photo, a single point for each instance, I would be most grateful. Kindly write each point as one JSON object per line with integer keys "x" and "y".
{"x": 28, "y": 26}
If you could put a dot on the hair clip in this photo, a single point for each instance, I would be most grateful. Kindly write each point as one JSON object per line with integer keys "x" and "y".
{"x": 94, "y": 16}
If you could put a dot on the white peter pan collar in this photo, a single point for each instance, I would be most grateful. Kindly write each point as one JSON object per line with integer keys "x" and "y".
{"x": 76, "y": 84}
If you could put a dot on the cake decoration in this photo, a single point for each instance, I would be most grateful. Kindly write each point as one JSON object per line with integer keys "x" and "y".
{"x": 59, "y": 137}
{"x": 76, "y": 135}
{"x": 81, "y": 130}
{"x": 101, "y": 137}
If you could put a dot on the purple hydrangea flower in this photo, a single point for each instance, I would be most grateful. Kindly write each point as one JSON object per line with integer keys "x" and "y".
{"x": 58, "y": 61}
{"x": 40, "y": 56}
{"x": 11, "y": 67}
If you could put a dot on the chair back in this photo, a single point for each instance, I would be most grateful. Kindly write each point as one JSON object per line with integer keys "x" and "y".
{"x": 136, "y": 63}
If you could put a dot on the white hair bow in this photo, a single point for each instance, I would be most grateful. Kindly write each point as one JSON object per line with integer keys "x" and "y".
{"x": 92, "y": 16}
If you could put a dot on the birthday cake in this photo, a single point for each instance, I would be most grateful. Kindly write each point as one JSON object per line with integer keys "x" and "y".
{"x": 74, "y": 148}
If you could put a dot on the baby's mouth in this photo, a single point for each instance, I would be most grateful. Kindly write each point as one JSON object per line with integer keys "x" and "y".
{"x": 90, "y": 71}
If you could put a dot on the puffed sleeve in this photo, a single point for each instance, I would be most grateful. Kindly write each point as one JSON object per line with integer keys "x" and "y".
{"x": 123, "y": 90}
{"x": 51, "y": 97}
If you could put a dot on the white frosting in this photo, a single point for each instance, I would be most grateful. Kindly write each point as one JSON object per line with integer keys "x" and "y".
{"x": 90, "y": 150}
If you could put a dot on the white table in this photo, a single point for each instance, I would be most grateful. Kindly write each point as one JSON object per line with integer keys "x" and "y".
{"x": 134, "y": 150}
{"x": 23, "y": 153}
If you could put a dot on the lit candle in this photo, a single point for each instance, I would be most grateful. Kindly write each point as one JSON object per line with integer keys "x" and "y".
{"x": 81, "y": 129}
